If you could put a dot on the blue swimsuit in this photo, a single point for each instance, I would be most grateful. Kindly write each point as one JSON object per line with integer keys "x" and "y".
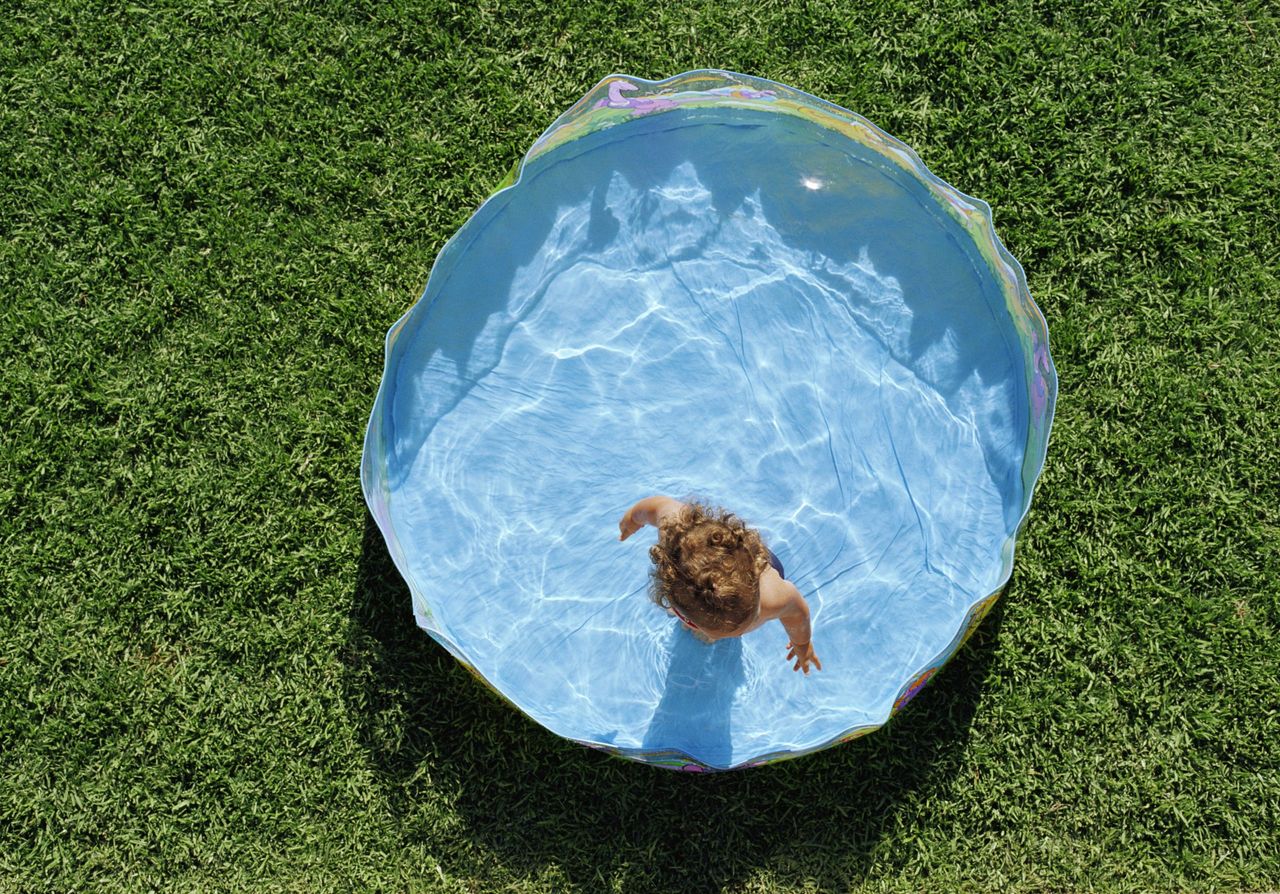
{"x": 777, "y": 566}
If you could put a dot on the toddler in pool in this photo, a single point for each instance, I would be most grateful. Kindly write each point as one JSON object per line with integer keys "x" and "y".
{"x": 717, "y": 576}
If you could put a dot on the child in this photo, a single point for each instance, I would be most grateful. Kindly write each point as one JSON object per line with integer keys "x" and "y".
{"x": 717, "y": 576}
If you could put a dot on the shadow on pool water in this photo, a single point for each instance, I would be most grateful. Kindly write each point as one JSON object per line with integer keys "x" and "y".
{"x": 438, "y": 741}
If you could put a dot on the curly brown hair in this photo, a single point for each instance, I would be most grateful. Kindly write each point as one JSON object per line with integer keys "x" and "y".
{"x": 707, "y": 565}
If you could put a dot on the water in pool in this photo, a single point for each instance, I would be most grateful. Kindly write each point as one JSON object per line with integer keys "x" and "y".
{"x": 729, "y": 306}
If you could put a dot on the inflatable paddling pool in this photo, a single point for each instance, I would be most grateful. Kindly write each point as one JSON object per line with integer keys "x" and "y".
{"x": 712, "y": 286}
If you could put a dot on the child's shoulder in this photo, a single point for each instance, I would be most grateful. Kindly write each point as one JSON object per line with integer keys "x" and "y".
{"x": 776, "y": 594}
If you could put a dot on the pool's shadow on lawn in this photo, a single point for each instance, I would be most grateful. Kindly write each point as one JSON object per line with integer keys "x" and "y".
{"x": 439, "y": 742}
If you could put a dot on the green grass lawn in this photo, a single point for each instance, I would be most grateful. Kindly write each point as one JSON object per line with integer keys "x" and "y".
{"x": 209, "y": 674}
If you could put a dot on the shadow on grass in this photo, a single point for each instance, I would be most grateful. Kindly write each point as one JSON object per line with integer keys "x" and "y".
{"x": 446, "y": 749}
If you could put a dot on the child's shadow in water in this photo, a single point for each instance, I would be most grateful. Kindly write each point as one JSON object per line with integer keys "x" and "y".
{"x": 693, "y": 714}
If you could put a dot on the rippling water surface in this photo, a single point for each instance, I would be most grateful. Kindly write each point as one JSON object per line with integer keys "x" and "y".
{"x": 728, "y": 306}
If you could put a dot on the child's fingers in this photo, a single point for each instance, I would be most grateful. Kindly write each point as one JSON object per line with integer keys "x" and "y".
{"x": 628, "y": 526}
{"x": 793, "y": 653}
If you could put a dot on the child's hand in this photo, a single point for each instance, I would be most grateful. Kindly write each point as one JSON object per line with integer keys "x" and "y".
{"x": 628, "y": 525}
{"x": 803, "y": 655}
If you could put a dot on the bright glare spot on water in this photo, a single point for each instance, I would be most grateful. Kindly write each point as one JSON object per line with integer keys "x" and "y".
{"x": 812, "y": 183}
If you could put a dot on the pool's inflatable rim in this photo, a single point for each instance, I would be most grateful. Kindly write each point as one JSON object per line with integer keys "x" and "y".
{"x": 619, "y": 98}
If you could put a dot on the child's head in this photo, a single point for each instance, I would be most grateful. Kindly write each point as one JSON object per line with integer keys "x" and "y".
{"x": 707, "y": 567}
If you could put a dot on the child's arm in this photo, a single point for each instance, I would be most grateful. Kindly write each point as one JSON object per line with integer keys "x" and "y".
{"x": 648, "y": 511}
{"x": 795, "y": 618}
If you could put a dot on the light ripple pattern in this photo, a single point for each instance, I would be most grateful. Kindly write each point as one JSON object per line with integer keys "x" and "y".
{"x": 720, "y": 304}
